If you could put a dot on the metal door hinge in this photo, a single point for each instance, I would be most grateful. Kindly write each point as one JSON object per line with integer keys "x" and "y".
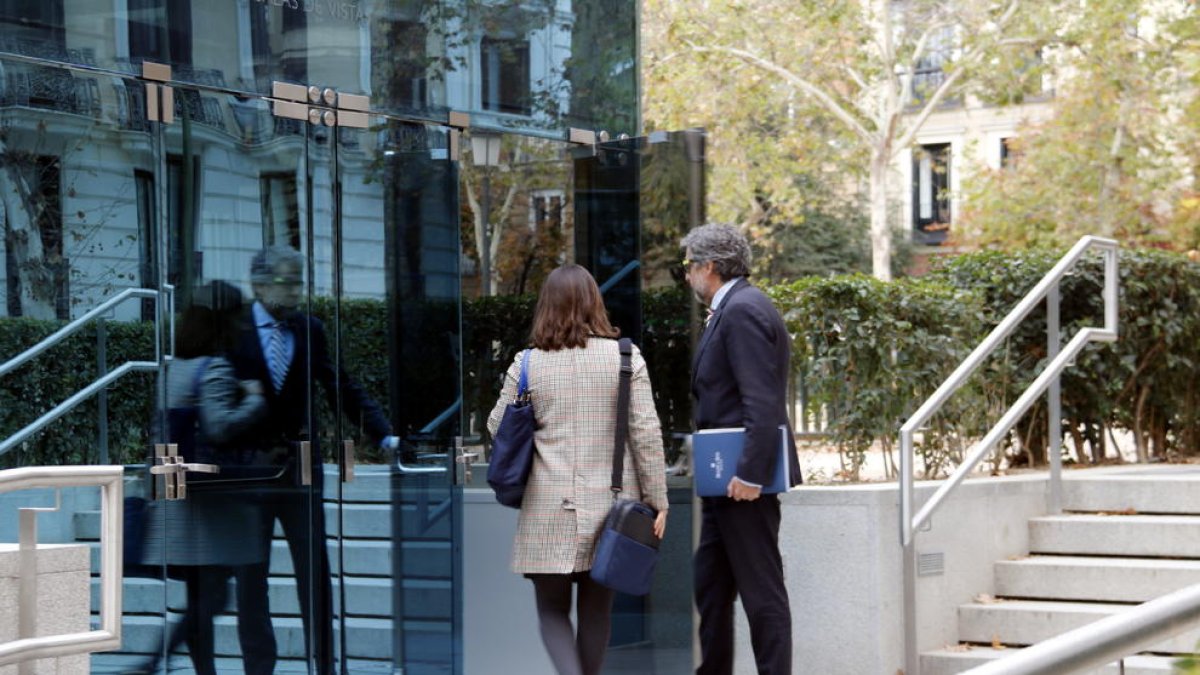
{"x": 347, "y": 461}
{"x": 157, "y": 94}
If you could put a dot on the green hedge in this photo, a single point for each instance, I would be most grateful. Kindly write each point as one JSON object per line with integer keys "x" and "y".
{"x": 869, "y": 352}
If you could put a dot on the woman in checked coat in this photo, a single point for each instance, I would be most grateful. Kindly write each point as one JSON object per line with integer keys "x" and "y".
{"x": 573, "y": 376}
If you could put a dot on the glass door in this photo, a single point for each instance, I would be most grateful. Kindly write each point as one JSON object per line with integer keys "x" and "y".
{"x": 236, "y": 247}
{"x": 385, "y": 200}
{"x": 618, "y": 208}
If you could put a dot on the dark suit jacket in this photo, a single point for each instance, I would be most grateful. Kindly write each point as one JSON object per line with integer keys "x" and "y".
{"x": 739, "y": 379}
{"x": 286, "y": 420}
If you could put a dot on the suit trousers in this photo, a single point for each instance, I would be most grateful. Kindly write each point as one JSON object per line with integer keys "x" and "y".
{"x": 300, "y": 512}
{"x": 738, "y": 555}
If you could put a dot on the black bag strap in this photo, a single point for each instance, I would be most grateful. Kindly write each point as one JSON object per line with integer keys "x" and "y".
{"x": 622, "y": 432}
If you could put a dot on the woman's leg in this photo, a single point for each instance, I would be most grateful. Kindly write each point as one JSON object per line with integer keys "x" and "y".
{"x": 553, "y": 594}
{"x": 207, "y": 592}
{"x": 595, "y": 623}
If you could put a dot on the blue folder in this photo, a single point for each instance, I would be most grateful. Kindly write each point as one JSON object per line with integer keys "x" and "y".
{"x": 715, "y": 456}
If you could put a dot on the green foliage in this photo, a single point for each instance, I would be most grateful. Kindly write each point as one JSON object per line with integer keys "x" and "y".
{"x": 870, "y": 352}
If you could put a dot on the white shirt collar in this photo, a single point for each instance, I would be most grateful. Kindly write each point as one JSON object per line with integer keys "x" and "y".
{"x": 721, "y": 293}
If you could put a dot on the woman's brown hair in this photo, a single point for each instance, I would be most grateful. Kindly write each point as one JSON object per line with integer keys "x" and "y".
{"x": 569, "y": 310}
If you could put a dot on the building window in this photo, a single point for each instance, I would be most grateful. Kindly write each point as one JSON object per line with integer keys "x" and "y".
{"x": 931, "y": 194}
{"x": 41, "y": 216}
{"x": 280, "y": 210}
{"x": 1010, "y": 152}
{"x": 505, "y": 75}
{"x": 33, "y": 27}
{"x": 147, "y": 238}
{"x": 160, "y": 31}
{"x": 930, "y": 70}
{"x": 545, "y": 212}
{"x": 183, "y": 205}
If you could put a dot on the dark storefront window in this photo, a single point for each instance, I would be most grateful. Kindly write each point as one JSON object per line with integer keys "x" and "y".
{"x": 931, "y": 193}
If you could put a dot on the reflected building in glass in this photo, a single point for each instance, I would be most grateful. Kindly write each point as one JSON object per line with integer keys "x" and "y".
{"x": 431, "y": 162}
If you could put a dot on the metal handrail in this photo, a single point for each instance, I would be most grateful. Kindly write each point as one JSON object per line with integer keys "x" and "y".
{"x": 1103, "y": 641}
{"x": 67, "y": 405}
{"x": 74, "y": 327}
{"x": 111, "y": 482}
{"x": 1046, "y": 289}
{"x": 100, "y": 383}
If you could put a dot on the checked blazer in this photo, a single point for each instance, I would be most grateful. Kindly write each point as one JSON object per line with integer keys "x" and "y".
{"x": 574, "y": 394}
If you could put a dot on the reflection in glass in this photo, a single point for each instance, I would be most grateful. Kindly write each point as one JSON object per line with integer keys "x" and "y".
{"x": 539, "y": 66}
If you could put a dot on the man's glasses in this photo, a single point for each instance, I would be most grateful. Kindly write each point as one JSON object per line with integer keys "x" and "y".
{"x": 287, "y": 281}
{"x": 688, "y": 263}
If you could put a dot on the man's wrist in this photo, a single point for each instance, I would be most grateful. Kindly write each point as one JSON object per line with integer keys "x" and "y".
{"x": 747, "y": 483}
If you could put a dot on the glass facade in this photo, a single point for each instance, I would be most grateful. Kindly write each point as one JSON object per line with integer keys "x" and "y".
{"x": 539, "y": 67}
{"x": 420, "y": 241}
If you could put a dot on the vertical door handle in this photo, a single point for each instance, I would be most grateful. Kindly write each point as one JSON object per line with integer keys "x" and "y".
{"x": 347, "y": 461}
{"x": 306, "y": 466}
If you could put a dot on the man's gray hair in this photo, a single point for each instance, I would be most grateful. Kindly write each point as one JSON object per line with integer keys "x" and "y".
{"x": 722, "y": 244}
{"x": 266, "y": 262}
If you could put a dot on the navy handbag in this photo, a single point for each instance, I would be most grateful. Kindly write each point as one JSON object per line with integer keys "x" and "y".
{"x": 626, "y": 550}
{"x": 512, "y": 447}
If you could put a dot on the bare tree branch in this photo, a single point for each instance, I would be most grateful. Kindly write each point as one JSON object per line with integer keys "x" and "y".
{"x": 801, "y": 83}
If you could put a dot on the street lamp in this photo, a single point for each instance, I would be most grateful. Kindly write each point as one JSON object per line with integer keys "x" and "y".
{"x": 485, "y": 153}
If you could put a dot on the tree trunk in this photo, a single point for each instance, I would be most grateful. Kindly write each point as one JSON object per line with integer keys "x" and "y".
{"x": 23, "y": 242}
{"x": 881, "y": 231}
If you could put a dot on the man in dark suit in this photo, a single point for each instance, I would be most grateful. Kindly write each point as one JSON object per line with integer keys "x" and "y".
{"x": 739, "y": 379}
{"x": 288, "y": 352}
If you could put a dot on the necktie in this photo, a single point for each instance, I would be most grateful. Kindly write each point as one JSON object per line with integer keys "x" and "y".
{"x": 277, "y": 356}
{"x": 708, "y": 316}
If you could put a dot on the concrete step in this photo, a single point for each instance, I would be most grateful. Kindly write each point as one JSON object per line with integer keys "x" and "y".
{"x": 962, "y": 658}
{"x": 1142, "y": 491}
{"x": 1167, "y": 536}
{"x": 1093, "y": 579}
{"x": 428, "y": 599}
{"x": 1026, "y": 622}
{"x": 369, "y": 639}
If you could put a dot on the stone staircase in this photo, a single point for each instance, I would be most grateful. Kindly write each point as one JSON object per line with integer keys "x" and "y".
{"x": 1123, "y": 539}
{"x": 364, "y": 586}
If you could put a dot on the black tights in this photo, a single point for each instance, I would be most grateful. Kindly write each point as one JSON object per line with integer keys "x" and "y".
{"x": 571, "y": 653}
{"x": 207, "y": 589}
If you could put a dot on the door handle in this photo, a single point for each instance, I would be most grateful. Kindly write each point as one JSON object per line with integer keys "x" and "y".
{"x": 306, "y": 467}
{"x": 173, "y": 467}
{"x": 347, "y": 461}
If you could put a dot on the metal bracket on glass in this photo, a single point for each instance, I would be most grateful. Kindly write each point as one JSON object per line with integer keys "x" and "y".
{"x": 460, "y": 120}
{"x": 306, "y": 467}
{"x": 347, "y": 461}
{"x": 155, "y": 112}
{"x": 173, "y": 468}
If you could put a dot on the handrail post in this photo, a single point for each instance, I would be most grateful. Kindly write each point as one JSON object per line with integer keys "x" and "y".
{"x": 912, "y": 664}
{"x": 1054, "y": 409}
{"x": 102, "y": 395}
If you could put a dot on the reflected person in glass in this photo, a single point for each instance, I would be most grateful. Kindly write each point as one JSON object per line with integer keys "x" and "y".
{"x": 205, "y": 538}
{"x": 573, "y": 376}
{"x": 288, "y": 351}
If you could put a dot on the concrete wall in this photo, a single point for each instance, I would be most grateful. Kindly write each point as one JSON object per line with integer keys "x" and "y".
{"x": 62, "y": 592}
{"x": 842, "y": 560}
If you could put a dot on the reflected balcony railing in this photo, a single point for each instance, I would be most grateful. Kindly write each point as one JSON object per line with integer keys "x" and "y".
{"x": 50, "y": 89}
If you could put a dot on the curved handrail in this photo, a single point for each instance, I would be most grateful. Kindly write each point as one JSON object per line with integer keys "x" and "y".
{"x": 1002, "y": 330}
{"x": 79, "y": 397}
{"x": 1046, "y": 289}
{"x": 110, "y": 479}
{"x": 73, "y": 327}
{"x": 100, "y": 383}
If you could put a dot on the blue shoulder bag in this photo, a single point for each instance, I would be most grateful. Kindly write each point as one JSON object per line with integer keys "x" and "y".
{"x": 512, "y": 447}
{"x": 626, "y": 548}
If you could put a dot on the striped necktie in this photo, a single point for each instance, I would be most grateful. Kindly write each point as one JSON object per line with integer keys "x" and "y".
{"x": 277, "y": 356}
